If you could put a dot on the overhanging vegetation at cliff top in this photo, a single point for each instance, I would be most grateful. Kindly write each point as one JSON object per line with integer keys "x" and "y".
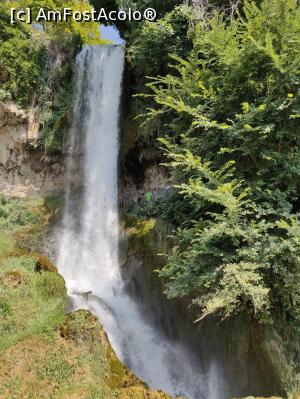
{"x": 36, "y": 64}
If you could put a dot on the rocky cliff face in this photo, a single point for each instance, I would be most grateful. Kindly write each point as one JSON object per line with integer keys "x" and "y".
{"x": 25, "y": 170}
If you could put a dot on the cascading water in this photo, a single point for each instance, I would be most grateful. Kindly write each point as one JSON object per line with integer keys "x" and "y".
{"x": 88, "y": 242}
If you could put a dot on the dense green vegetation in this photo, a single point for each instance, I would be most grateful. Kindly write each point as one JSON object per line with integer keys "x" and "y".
{"x": 220, "y": 96}
{"x": 231, "y": 125}
{"x": 18, "y": 218}
{"x": 18, "y": 212}
{"x": 224, "y": 101}
{"x": 24, "y": 48}
{"x": 36, "y": 64}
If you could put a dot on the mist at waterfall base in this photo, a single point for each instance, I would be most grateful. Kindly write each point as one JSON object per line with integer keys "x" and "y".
{"x": 88, "y": 240}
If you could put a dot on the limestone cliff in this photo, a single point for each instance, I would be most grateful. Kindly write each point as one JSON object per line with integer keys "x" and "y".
{"x": 24, "y": 169}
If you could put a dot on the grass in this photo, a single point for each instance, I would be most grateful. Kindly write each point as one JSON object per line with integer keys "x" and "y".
{"x": 16, "y": 212}
{"x": 19, "y": 218}
{"x": 43, "y": 352}
{"x": 7, "y": 243}
{"x": 36, "y": 305}
{"x": 41, "y": 348}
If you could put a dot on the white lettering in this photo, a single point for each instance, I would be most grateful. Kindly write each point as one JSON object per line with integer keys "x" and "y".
{"x": 150, "y": 14}
{"x": 113, "y": 16}
{"x": 19, "y": 16}
{"x": 122, "y": 16}
{"x": 137, "y": 16}
{"x": 87, "y": 16}
{"x": 102, "y": 15}
{"x": 54, "y": 16}
{"x": 41, "y": 15}
{"x": 77, "y": 16}
{"x": 44, "y": 15}
{"x": 67, "y": 13}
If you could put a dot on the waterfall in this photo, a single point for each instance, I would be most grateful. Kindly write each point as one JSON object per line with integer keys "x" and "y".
{"x": 88, "y": 240}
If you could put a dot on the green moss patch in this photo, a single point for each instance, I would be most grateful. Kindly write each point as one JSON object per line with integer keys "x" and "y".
{"x": 43, "y": 263}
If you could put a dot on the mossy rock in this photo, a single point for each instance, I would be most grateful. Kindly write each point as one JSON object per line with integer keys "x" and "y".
{"x": 142, "y": 228}
{"x": 44, "y": 264}
{"x": 82, "y": 326}
{"x": 119, "y": 376}
{"x": 11, "y": 279}
{"x": 79, "y": 325}
{"x": 54, "y": 203}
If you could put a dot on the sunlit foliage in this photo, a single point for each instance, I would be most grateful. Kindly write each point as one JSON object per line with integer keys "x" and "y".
{"x": 231, "y": 112}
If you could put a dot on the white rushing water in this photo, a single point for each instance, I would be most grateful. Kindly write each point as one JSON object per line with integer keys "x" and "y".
{"x": 88, "y": 241}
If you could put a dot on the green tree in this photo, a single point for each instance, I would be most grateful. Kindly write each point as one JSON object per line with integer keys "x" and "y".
{"x": 233, "y": 257}
{"x": 36, "y": 65}
{"x": 230, "y": 113}
{"x": 23, "y": 48}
